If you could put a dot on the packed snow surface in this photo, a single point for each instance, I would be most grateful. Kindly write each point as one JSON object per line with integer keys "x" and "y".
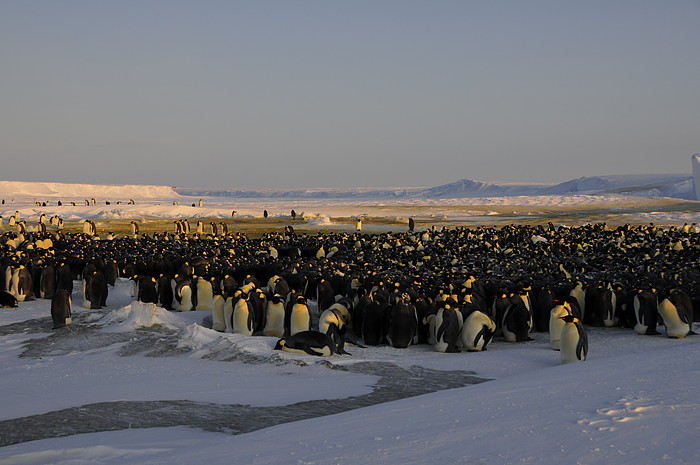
{"x": 633, "y": 401}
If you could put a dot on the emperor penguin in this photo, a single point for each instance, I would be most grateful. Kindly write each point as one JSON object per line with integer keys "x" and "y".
{"x": 228, "y": 310}
{"x": 429, "y": 321}
{"x": 337, "y": 314}
{"x": 556, "y": 323}
{"x": 372, "y": 329}
{"x": 448, "y": 324}
{"x": 243, "y": 320}
{"x": 94, "y": 290}
{"x": 47, "y": 282}
{"x": 7, "y": 300}
{"x": 298, "y": 318}
{"x": 578, "y": 292}
{"x": 477, "y": 331}
{"x": 646, "y": 312}
{"x": 183, "y": 295}
{"x": 573, "y": 346}
{"x": 205, "y": 294}
{"x": 21, "y": 283}
{"x": 218, "y": 322}
{"x": 274, "y": 316}
{"x": 676, "y": 311}
{"x": 147, "y": 291}
{"x": 402, "y": 330}
{"x": 308, "y": 342}
{"x": 165, "y": 292}
{"x": 516, "y": 323}
{"x": 61, "y": 308}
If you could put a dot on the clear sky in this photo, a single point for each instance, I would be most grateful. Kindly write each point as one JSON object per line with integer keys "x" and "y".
{"x": 265, "y": 94}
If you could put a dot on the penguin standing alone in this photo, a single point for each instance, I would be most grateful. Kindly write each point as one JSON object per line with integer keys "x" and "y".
{"x": 573, "y": 345}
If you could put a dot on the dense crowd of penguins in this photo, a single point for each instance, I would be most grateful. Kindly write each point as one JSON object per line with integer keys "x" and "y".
{"x": 454, "y": 288}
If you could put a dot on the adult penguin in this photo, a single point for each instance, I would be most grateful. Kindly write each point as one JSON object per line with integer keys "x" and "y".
{"x": 218, "y": 323}
{"x": 228, "y": 284}
{"x": 147, "y": 290}
{"x": 228, "y": 309}
{"x": 424, "y": 311}
{"x": 64, "y": 277}
{"x": 182, "y": 293}
{"x": 373, "y": 323}
{"x": 574, "y": 307}
{"x": 274, "y": 316}
{"x": 573, "y": 346}
{"x": 165, "y": 292}
{"x": 7, "y": 300}
{"x": 278, "y": 285}
{"x": 646, "y": 313}
{"x": 336, "y": 314}
{"x": 258, "y": 301}
{"x": 500, "y": 304}
{"x": 298, "y": 318}
{"x": 308, "y": 342}
{"x": 94, "y": 290}
{"x": 61, "y": 309}
{"x": 205, "y": 293}
{"x": 324, "y": 295}
{"x": 577, "y": 291}
{"x": 516, "y": 323}
{"x": 22, "y": 283}
{"x": 676, "y": 312}
{"x": 556, "y": 323}
{"x": 477, "y": 331}
{"x": 448, "y": 324}
{"x": 403, "y": 324}
{"x": 111, "y": 272}
{"x": 47, "y": 282}
{"x": 542, "y": 309}
{"x": 243, "y": 319}
{"x": 604, "y": 305}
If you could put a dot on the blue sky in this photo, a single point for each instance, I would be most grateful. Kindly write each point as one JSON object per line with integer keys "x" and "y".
{"x": 265, "y": 94}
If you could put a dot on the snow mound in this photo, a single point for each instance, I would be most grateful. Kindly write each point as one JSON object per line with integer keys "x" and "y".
{"x": 321, "y": 220}
{"x": 138, "y": 315}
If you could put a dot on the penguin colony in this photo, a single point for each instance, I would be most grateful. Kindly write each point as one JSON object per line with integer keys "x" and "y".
{"x": 456, "y": 289}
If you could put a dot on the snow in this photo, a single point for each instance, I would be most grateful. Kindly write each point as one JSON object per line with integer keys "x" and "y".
{"x": 328, "y": 212}
{"x": 635, "y": 400}
{"x": 79, "y": 192}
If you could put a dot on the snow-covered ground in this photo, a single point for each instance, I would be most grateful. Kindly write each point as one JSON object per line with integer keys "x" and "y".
{"x": 635, "y": 400}
{"x": 588, "y": 199}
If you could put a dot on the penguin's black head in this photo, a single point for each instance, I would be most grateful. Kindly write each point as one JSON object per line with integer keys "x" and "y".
{"x": 280, "y": 344}
{"x": 569, "y": 319}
